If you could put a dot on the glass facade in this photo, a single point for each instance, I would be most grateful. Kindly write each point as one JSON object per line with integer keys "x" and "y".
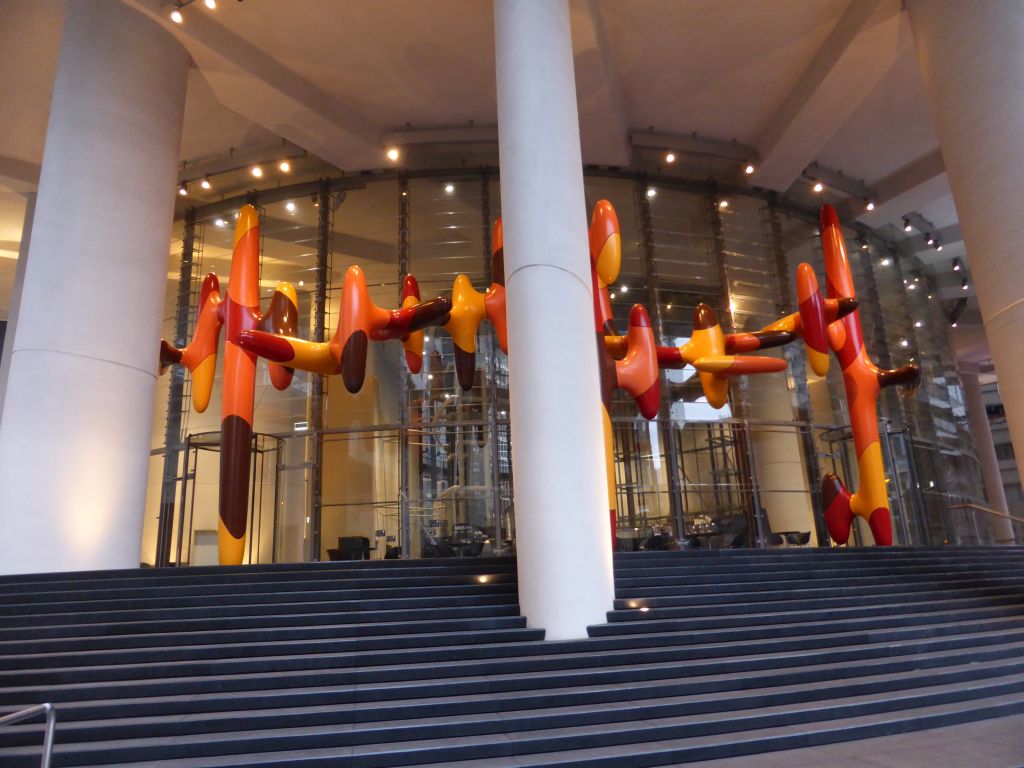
{"x": 421, "y": 468}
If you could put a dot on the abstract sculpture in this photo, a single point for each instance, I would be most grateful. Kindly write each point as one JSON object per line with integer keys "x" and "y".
{"x": 630, "y": 362}
{"x": 360, "y": 320}
{"x": 863, "y": 381}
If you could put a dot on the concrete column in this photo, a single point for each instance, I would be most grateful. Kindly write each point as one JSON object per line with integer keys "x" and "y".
{"x": 563, "y": 541}
{"x": 78, "y": 413}
{"x": 19, "y": 284}
{"x": 977, "y": 420}
{"x": 972, "y": 60}
{"x": 778, "y": 457}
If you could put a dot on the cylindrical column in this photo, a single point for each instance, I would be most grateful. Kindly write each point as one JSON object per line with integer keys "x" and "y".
{"x": 981, "y": 431}
{"x": 973, "y": 65}
{"x": 78, "y": 413}
{"x": 562, "y": 538}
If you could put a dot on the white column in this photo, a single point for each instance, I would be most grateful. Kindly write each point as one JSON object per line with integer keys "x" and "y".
{"x": 562, "y": 537}
{"x": 972, "y": 59}
{"x": 981, "y": 431}
{"x": 78, "y": 412}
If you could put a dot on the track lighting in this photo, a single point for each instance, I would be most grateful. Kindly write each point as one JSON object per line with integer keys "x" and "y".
{"x": 819, "y": 187}
{"x": 256, "y": 171}
{"x": 284, "y": 166}
{"x": 723, "y": 204}
{"x": 869, "y": 205}
{"x": 957, "y": 264}
{"x": 211, "y": 4}
{"x": 182, "y": 190}
{"x": 205, "y": 183}
{"x": 393, "y": 154}
{"x": 176, "y": 16}
{"x": 964, "y": 285}
{"x": 670, "y": 157}
{"x": 749, "y": 169}
{"x": 931, "y": 240}
{"x": 907, "y": 227}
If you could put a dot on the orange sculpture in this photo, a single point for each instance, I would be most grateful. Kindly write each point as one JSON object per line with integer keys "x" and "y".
{"x": 240, "y": 315}
{"x": 863, "y": 381}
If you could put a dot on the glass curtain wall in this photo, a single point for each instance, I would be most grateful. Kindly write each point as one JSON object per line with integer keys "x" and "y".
{"x": 413, "y": 466}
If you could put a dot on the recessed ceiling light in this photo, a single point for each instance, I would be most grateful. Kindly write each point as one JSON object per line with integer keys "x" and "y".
{"x": 256, "y": 171}
{"x": 284, "y": 166}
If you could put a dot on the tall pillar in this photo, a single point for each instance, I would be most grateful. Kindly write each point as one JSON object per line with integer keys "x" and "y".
{"x": 973, "y": 65}
{"x": 563, "y": 542}
{"x": 77, "y": 416}
{"x": 981, "y": 431}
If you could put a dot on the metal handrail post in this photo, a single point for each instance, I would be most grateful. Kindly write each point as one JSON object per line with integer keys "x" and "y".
{"x": 51, "y": 726}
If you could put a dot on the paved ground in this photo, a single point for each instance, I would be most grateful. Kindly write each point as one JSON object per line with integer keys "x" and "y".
{"x": 986, "y": 744}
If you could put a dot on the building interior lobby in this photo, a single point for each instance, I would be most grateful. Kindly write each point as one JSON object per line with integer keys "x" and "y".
{"x": 752, "y": 168}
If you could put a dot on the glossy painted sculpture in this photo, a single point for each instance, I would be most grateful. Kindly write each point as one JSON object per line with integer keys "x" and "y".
{"x": 863, "y": 381}
{"x": 248, "y": 333}
{"x": 631, "y": 362}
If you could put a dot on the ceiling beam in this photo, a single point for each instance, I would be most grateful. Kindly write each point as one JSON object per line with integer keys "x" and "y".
{"x": 18, "y": 175}
{"x": 691, "y": 144}
{"x": 919, "y": 181}
{"x": 486, "y": 134}
{"x": 861, "y": 48}
{"x": 599, "y": 99}
{"x": 254, "y": 84}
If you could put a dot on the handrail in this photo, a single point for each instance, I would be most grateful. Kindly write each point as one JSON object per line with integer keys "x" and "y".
{"x": 51, "y": 725}
{"x": 995, "y": 512}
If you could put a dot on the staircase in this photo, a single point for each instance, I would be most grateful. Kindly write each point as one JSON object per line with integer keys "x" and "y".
{"x": 387, "y": 663}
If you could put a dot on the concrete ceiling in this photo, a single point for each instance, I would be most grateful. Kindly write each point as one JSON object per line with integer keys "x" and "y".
{"x": 833, "y": 82}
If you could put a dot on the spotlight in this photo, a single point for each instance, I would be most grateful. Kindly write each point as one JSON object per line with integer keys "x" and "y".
{"x": 256, "y": 171}
{"x": 819, "y": 187}
{"x": 449, "y": 188}
{"x": 426, "y": 338}
{"x": 918, "y": 324}
{"x": 904, "y": 343}
{"x": 957, "y": 264}
{"x": 205, "y": 183}
{"x": 176, "y": 16}
{"x": 668, "y": 306}
{"x": 886, "y": 261}
{"x": 393, "y": 154}
{"x": 220, "y": 223}
{"x": 964, "y": 284}
{"x": 869, "y": 205}
{"x": 211, "y": 4}
{"x": 182, "y": 189}
{"x": 862, "y": 243}
{"x": 907, "y": 227}
{"x": 301, "y": 283}
{"x": 749, "y": 169}
{"x": 430, "y": 377}
{"x": 651, "y": 192}
{"x": 670, "y": 158}
{"x": 284, "y": 166}
{"x": 624, "y": 289}
{"x": 611, "y": 295}
{"x": 931, "y": 240}
{"x": 953, "y": 324}
{"x": 290, "y": 206}
{"x": 938, "y": 247}
{"x": 723, "y": 204}
{"x": 912, "y": 286}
